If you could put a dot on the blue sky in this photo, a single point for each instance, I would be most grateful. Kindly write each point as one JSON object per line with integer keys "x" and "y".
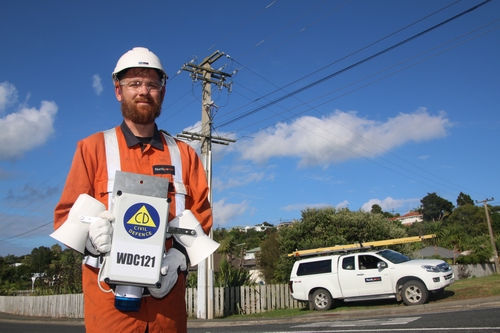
{"x": 317, "y": 118}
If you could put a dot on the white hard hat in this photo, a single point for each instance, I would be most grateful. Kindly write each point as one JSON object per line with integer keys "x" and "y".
{"x": 139, "y": 57}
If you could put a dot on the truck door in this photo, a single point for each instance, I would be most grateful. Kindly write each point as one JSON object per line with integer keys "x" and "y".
{"x": 347, "y": 276}
{"x": 372, "y": 280}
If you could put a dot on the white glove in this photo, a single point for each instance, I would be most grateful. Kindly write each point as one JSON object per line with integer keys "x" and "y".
{"x": 173, "y": 260}
{"x": 100, "y": 234}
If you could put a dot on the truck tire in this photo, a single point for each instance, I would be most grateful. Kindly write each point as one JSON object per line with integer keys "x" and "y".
{"x": 322, "y": 300}
{"x": 414, "y": 293}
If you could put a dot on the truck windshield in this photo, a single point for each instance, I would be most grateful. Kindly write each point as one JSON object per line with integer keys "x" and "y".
{"x": 393, "y": 256}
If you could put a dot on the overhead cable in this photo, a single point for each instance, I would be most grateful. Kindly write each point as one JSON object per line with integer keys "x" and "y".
{"x": 288, "y": 95}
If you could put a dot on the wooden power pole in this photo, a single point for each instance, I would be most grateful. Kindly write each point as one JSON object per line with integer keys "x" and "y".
{"x": 208, "y": 76}
{"x": 492, "y": 237}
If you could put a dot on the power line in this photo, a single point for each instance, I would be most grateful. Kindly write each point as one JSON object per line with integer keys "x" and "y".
{"x": 27, "y": 232}
{"x": 243, "y": 24}
{"x": 285, "y": 26}
{"x": 393, "y": 73}
{"x": 297, "y": 91}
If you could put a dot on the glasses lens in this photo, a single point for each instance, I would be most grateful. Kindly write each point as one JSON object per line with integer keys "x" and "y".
{"x": 151, "y": 86}
{"x": 134, "y": 85}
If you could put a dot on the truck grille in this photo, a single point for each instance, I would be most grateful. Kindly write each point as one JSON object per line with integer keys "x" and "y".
{"x": 449, "y": 276}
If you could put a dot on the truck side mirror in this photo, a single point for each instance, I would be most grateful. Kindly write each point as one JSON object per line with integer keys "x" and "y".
{"x": 381, "y": 264}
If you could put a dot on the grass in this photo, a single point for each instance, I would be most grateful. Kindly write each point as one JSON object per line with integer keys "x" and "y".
{"x": 460, "y": 290}
{"x": 475, "y": 287}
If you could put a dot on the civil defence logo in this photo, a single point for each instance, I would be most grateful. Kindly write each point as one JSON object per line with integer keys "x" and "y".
{"x": 141, "y": 220}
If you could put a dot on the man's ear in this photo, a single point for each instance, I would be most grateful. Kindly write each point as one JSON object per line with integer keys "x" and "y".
{"x": 118, "y": 92}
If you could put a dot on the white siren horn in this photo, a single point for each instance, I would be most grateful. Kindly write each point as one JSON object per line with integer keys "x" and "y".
{"x": 74, "y": 231}
{"x": 198, "y": 246}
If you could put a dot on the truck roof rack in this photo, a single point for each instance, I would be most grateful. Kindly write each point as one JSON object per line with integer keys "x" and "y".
{"x": 359, "y": 246}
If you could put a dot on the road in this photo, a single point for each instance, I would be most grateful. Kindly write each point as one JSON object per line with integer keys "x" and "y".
{"x": 466, "y": 321}
{"x": 479, "y": 315}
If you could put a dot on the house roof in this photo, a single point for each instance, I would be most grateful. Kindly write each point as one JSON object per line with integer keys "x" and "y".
{"x": 410, "y": 214}
{"x": 254, "y": 250}
{"x": 430, "y": 251}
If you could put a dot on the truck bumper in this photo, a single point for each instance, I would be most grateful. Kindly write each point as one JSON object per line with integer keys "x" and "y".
{"x": 442, "y": 280}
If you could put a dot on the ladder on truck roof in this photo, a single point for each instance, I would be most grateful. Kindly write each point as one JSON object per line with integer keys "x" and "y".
{"x": 359, "y": 246}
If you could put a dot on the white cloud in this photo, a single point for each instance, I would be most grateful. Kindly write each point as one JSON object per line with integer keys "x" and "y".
{"x": 343, "y": 204}
{"x": 13, "y": 128}
{"x": 97, "y": 84}
{"x": 388, "y": 204}
{"x": 225, "y": 213}
{"x": 8, "y": 95}
{"x": 341, "y": 136}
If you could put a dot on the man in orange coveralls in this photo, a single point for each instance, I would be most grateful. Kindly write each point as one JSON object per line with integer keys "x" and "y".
{"x": 139, "y": 84}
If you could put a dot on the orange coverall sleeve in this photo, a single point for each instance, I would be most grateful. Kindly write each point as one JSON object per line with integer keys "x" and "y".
{"x": 85, "y": 175}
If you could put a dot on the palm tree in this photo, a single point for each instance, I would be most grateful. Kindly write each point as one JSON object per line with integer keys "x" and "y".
{"x": 227, "y": 247}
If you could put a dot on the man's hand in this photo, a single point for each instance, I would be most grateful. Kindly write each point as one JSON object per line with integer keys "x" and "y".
{"x": 100, "y": 234}
{"x": 173, "y": 260}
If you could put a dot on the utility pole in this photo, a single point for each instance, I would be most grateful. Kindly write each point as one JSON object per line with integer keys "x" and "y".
{"x": 492, "y": 238}
{"x": 205, "y": 73}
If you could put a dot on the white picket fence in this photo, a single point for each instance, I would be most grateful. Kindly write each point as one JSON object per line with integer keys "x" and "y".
{"x": 232, "y": 300}
{"x": 227, "y": 301}
{"x": 245, "y": 300}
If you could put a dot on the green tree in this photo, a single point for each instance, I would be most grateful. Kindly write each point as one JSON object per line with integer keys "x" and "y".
{"x": 470, "y": 218}
{"x": 229, "y": 276}
{"x": 434, "y": 228}
{"x": 376, "y": 209}
{"x": 481, "y": 251}
{"x": 266, "y": 259}
{"x": 41, "y": 258}
{"x": 219, "y": 234}
{"x": 495, "y": 219}
{"x": 227, "y": 247}
{"x": 66, "y": 271}
{"x": 454, "y": 238}
{"x": 329, "y": 227}
{"x": 435, "y": 208}
{"x": 464, "y": 199}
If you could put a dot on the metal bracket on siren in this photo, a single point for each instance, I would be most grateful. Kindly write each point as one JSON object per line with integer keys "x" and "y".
{"x": 359, "y": 246}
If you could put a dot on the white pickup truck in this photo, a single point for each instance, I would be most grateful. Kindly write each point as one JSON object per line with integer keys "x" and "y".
{"x": 369, "y": 275}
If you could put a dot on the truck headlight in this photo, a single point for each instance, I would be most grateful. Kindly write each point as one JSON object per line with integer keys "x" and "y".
{"x": 430, "y": 268}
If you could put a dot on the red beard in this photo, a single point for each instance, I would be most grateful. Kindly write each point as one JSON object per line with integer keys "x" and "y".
{"x": 144, "y": 114}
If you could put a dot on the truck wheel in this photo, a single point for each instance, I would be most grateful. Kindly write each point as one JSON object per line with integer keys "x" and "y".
{"x": 322, "y": 300}
{"x": 414, "y": 293}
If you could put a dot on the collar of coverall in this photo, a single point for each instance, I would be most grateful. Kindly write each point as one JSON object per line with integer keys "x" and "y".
{"x": 132, "y": 140}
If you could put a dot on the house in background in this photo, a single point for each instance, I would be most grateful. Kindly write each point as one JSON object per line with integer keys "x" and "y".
{"x": 440, "y": 252}
{"x": 258, "y": 227}
{"x": 409, "y": 219}
{"x": 250, "y": 263}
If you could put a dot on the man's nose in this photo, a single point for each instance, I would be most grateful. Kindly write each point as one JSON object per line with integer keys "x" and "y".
{"x": 143, "y": 89}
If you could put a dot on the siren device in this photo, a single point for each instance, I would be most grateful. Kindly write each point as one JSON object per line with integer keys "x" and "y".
{"x": 140, "y": 207}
